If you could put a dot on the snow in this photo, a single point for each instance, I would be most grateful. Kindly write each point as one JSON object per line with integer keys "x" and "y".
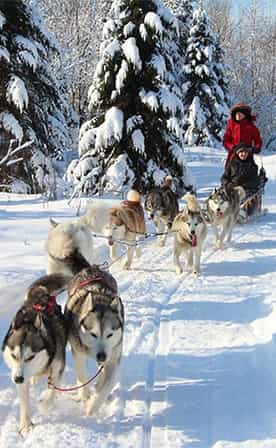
{"x": 10, "y": 124}
{"x": 131, "y": 52}
{"x": 17, "y": 93}
{"x": 117, "y": 173}
{"x": 198, "y": 368}
{"x": 121, "y": 76}
{"x": 4, "y": 53}
{"x": 153, "y": 21}
{"x": 111, "y": 129}
{"x": 149, "y": 98}
{"x": 138, "y": 140}
{"x": 2, "y": 21}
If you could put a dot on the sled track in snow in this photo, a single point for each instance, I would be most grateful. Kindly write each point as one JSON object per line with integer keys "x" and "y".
{"x": 156, "y": 330}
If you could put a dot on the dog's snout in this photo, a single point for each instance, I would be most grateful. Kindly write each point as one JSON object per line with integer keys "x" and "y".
{"x": 192, "y": 232}
{"x": 218, "y": 209}
{"x": 101, "y": 357}
{"x": 19, "y": 379}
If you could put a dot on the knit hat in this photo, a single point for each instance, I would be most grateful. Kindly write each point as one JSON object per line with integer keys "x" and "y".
{"x": 242, "y": 147}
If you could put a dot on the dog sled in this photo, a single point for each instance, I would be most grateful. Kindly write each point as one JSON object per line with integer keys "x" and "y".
{"x": 251, "y": 206}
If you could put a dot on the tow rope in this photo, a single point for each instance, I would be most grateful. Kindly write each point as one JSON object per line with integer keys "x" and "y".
{"x": 70, "y": 389}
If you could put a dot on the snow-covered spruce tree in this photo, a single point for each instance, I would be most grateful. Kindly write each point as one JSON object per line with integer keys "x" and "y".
{"x": 132, "y": 139}
{"x": 205, "y": 90}
{"x": 31, "y": 106}
{"x": 183, "y": 11}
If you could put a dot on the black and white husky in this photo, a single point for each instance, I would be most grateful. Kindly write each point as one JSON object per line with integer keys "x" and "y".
{"x": 223, "y": 209}
{"x": 162, "y": 207}
{"x": 35, "y": 343}
{"x": 94, "y": 318}
{"x": 190, "y": 230}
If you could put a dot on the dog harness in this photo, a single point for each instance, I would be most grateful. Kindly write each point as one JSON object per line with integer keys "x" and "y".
{"x": 49, "y": 308}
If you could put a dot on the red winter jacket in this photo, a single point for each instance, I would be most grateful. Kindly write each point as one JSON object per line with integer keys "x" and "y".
{"x": 241, "y": 131}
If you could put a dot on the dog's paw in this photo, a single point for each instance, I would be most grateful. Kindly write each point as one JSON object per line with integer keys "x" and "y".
{"x": 138, "y": 252}
{"x": 126, "y": 265}
{"x": 92, "y": 406}
{"x": 25, "y": 428}
{"x": 218, "y": 244}
{"x": 178, "y": 270}
{"x": 45, "y": 400}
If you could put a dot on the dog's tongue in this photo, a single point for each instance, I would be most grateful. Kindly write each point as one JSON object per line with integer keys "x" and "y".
{"x": 194, "y": 240}
{"x": 110, "y": 242}
{"x": 219, "y": 214}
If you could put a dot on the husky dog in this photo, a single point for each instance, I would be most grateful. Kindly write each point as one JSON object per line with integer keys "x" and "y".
{"x": 35, "y": 343}
{"x": 96, "y": 216}
{"x": 126, "y": 222}
{"x": 223, "y": 208}
{"x": 162, "y": 206}
{"x": 95, "y": 319}
{"x": 63, "y": 239}
{"x": 190, "y": 231}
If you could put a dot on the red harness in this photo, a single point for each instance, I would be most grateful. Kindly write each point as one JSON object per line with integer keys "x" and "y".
{"x": 49, "y": 308}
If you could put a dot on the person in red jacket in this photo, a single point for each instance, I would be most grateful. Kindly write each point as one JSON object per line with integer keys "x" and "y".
{"x": 240, "y": 128}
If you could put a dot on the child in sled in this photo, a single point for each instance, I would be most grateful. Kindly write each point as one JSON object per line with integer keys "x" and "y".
{"x": 241, "y": 128}
{"x": 242, "y": 171}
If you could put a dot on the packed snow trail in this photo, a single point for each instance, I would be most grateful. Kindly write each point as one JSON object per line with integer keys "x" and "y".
{"x": 198, "y": 369}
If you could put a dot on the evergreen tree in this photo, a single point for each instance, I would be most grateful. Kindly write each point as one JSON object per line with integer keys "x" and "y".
{"x": 205, "y": 88}
{"x": 132, "y": 139}
{"x": 31, "y": 106}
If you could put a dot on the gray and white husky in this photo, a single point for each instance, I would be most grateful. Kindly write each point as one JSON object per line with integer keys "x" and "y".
{"x": 190, "y": 231}
{"x": 223, "y": 210}
{"x": 95, "y": 317}
{"x": 162, "y": 206}
{"x": 64, "y": 239}
{"x": 35, "y": 343}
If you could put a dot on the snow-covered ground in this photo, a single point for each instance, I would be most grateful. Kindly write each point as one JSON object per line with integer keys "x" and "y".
{"x": 199, "y": 364}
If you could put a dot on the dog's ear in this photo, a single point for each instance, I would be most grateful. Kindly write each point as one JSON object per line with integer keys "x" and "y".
{"x": 117, "y": 306}
{"x": 53, "y": 222}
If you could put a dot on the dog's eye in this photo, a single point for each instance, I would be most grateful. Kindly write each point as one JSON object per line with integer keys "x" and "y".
{"x": 14, "y": 356}
{"x": 109, "y": 335}
{"x": 94, "y": 335}
{"x": 30, "y": 358}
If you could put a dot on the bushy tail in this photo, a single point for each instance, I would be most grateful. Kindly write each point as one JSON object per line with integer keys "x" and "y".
{"x": 192, "y": 202}
{"x": 49, "y": 284}
{"x": 62, "y": 246}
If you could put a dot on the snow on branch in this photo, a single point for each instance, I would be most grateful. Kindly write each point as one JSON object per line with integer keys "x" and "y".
{"x": 131, "y": 52}
{"x": 12, "y": 151}
{"x": 152, "y": 20}
{"x": 17, "y": 93}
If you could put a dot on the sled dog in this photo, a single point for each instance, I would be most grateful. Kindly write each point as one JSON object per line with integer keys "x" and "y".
{"x": 35, "y": 343}
{"x": 96, "y": 216}
{"x": 95, "y": 320}
{"x": 223, "y": 210}
{"x": 162, "y": 206}
{"x": 63, "y": 239}
{"x": 190, "y": 231}
{"x": 127, "y": 221}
